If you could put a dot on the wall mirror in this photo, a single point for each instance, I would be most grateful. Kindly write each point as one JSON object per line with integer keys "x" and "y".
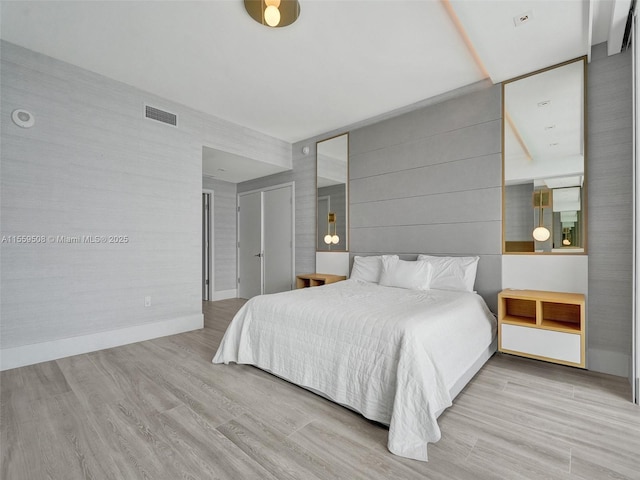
{"x": 543, "y": 188}
{"x": 332, "y": 174}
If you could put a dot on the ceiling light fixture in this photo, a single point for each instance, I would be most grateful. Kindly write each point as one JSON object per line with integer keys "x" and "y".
{"x": 272, "y": 16}
{"x": 273, "y": 13}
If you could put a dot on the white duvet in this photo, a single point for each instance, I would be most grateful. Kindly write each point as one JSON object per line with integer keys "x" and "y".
{"x": 389, "y": 353}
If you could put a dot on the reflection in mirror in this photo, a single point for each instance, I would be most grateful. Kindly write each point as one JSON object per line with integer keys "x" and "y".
{"x": 544, "y": 161}
{"x": 331, "y": 195}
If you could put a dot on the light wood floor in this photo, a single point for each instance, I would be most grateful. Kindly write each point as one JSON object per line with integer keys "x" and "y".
{"x": 160, "y": 409}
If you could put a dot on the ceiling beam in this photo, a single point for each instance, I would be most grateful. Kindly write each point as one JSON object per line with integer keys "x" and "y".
{"x": 465, "y": 38}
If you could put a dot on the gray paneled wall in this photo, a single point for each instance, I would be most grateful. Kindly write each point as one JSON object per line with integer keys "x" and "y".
{"x": 519, "y": 215}
{"x": 610, "y": 198}
{"x": 304, "y": 174}
{"x": 224, "y": 233}
{"x": 429, "y": 181}
{"x": 93, "y": 165}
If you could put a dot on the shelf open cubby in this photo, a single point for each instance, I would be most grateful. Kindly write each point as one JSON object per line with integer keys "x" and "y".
{"x": 561, "y": 316}
{"x": 519, "y": 311}
{"x": 317, "y": 279}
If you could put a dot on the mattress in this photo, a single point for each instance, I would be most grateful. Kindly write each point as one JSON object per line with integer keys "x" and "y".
{"x": 392, "y": 354}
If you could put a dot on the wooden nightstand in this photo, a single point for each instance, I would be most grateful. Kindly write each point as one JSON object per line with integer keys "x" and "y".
{"x": 317, "y": 279}
{"x": 547, "y": 326}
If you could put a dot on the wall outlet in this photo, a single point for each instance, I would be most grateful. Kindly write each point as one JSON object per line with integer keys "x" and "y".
{"x": 147, "y": 301}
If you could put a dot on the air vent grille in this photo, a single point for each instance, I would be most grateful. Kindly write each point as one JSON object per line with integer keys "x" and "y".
{"x": 160, "y": 115}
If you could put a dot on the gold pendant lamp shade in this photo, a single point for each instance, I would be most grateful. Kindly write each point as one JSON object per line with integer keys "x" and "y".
{"x": 541, "y": 234}
{"x": 273, "y": 13}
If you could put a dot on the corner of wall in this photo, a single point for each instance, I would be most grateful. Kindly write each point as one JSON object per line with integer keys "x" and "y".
{"x": 46, "y": 351}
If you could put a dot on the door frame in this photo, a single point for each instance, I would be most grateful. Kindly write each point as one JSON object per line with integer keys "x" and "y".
{"x": 291, "y": 184}
{"x": 634, "y": 375}
{"x": 211, "y": 251}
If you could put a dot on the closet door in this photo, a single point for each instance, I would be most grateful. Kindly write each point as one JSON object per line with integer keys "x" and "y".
{"x": 250, "y": 245}
{"x": 278, "y": 239}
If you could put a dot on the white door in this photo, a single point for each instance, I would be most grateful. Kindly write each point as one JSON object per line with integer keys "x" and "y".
{"x": 278, "y": 239}
{"x": 250, "y": 245}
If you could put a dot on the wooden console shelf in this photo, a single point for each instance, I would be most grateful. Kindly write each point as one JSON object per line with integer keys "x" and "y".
{"x": 317, "y": 279}
{"x": 547, "y": 326}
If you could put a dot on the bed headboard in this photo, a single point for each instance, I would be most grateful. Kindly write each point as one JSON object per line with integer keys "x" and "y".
{"x": 488, "y": 277}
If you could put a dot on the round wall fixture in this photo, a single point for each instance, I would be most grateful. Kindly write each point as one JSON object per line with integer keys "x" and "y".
{"x": 22, "y": 118}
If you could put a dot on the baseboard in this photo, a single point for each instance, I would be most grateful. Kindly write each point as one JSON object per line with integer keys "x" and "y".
{"x": 224, "y": 294}
{"x": 66, "y": 347}
{"x": 606, "y": 361}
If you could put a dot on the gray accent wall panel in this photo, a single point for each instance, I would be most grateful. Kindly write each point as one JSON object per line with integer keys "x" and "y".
{"x": 93, "y": 165}
{"x": 447, "y": 238}
{"x": 429, "y": 181}
{"x": 610, "y": 201}
{"x": 467, "y": 142}
{"x": 454, "y": 114}
{"x": 467, "y": 206}
{"x": 456, "y": 176}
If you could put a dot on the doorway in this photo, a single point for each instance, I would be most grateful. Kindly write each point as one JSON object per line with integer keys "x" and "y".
{"x": 207, "y": 245}
{"x": 266, "y": 243}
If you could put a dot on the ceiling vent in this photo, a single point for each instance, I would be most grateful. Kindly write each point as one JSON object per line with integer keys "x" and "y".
{"x": 160, "y": 115}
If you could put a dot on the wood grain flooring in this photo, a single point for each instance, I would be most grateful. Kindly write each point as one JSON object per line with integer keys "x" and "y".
{"x": 160, "y": 409}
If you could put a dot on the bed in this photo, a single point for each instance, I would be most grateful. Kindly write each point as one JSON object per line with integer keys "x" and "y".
{"x": 396, "y": 355}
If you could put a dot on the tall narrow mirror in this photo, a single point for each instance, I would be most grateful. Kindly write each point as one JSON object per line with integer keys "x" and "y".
{"x": 332, "y": 197}
{"x": 544, "y": 207}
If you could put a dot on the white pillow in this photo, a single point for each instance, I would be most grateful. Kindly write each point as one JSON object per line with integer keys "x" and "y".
{"x": 400, "y": 273}
{"x": 452, "y": 273}
{"x": 368, "y": 268}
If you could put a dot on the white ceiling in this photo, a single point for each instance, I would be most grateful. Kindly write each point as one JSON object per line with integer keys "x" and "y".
{"x": 232, "y": 168}
{"x": 340, "y": 63}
